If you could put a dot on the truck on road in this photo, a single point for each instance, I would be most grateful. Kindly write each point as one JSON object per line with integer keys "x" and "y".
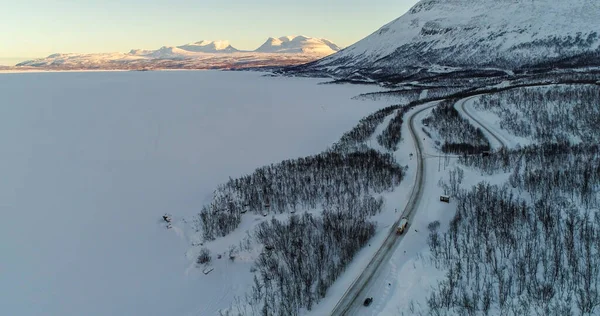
{"x": 402, "y": 226}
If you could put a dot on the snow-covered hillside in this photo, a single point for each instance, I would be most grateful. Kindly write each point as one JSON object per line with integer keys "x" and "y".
{"x": 507, "y": 34}
{"x": 209, "y": 47}
{"x": 298, "y": 44}
{"x": 285, "y": 51}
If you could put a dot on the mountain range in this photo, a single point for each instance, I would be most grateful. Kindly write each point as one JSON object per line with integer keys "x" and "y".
{"x": 298, "y": 44}
{"x": 275, "y": 52}
{"x": 450, "y": 35}
{"x": 434, "y": 37}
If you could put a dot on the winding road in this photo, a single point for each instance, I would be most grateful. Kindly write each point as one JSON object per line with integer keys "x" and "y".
{"x": 461, "y": 106}
{"x": 352, "y": 297}
{"x": 351, "y": 301}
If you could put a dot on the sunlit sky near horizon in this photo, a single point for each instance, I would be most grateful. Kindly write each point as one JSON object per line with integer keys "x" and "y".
{"x": 37, "y": 28}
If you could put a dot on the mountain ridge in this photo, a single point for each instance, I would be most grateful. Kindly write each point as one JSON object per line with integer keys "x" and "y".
{"x": 291, "y": 45}
{"x": 506, "y": 34}
{"x": 196, "y": 55}
{"x": 209, "y": 47}
{"x": 298, "y": 44}
{"x": 203, "y": 54}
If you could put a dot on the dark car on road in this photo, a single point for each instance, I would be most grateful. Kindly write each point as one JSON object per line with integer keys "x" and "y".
{"x": 368, "y": 301}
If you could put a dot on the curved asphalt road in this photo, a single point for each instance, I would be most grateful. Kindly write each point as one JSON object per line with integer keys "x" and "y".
{"x": 461, "y": 105}
{"x": 353, "y": 297}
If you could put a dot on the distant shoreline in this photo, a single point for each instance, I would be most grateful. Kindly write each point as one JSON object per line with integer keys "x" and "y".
{"x": 12, "y": 61}
{"x": 20, "y": 71}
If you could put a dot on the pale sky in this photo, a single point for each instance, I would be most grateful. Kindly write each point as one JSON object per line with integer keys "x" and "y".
{"x": 37, "y": 28}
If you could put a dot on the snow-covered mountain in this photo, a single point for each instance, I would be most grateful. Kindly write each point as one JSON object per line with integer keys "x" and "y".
{"x": 298, "y": 44}
{"x": 285, "y": 51}
{"x": 209, "y": 47}
{"x": 170, "y": 52}
{"x": 507, "y": 34}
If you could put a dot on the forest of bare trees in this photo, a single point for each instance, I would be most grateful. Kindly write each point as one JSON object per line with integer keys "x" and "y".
{"x": 532, "y": 245}
{"x": 505, "y": 255}
{"x": 303, "y": 256}
{"x": 355, "y": 139}
{"x": 561, "y": 113}
{"x": 299, "y": 184}
{"x": 392, "y": 134}
{"x": 457, "y": 133}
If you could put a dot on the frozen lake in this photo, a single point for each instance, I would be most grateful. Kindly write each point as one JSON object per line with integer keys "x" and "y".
{"x": 90, "y": 162}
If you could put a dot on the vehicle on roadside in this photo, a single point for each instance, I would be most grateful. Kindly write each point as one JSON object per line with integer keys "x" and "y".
{"x": 402, "y": 226}
{"x": 368, "y": 301}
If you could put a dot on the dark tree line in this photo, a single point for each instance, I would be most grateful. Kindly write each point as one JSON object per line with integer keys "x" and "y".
{"x": 304, "y": 183}
{"x": 355, "y": 139}
{"x": 409, "y": 94}
{"x": 457, "y": 133}
{"x": 392, "y": 134}
{"x": 402, "y": 96}
{"x": 302, "y": 257}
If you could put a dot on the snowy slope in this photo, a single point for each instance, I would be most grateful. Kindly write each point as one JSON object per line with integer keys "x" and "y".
{"x": 209, "y": 47}
{"x": 298, "y": 44}
{"x": 475, "y": 33}
{"x": 170, "y": 53}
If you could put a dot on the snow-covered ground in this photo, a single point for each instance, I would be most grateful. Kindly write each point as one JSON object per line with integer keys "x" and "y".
{"x": 404, "y": 282}
{"x": 492, "y": 122}
{"x": 91, "y": 161}
{"x": 407, "y": 276}
{"x": 395, "y": 202}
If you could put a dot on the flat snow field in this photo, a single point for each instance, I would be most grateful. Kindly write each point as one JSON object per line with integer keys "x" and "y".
{"x": 91, "y": 161}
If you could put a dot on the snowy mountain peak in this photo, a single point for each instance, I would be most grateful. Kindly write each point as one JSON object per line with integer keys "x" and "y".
{"x": 138, "y": 52}
{"x": 209, "y": 47}
{"x": 297, "y": 38}
{"x": 508, "y": 34}
{"x": 197, "y": 55}
{"x": 298, "y": 44}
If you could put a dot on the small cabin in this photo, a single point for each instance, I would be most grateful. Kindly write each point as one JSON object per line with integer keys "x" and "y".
{"x": 402, "y": 226}
{"x": 445, "y": 198}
